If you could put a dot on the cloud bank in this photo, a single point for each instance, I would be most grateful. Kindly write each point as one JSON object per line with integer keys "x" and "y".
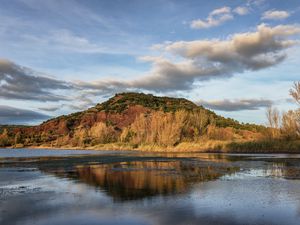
{"x": 206, "y": 59}
{"x": 22, "y": 83}
{"x": 12, "y": 115}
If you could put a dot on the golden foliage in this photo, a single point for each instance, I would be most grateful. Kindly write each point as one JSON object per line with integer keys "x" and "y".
{"x": 160, "y": 128}
{"x": 101, "y": 133}
{"x": 220, "y": 133}
{"x": 290, "y": 127}
{"x": 4, "y": 138}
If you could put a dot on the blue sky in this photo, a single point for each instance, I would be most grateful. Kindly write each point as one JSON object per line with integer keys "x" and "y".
{"x": 235, "y": 57}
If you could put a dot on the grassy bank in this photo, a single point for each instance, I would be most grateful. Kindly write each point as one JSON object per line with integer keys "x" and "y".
{"x": 213, "y": 146}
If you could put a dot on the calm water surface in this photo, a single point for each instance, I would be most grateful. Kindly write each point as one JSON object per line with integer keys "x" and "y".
{"x": 104, "y": 187}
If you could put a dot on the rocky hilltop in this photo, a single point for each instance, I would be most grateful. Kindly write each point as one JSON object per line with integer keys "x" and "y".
{"x": 131, "y": 119}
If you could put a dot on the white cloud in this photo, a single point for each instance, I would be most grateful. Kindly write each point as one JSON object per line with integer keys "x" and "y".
{"x": 179, "y": 67}
{"x": 215, "y": 18}
{"x": 21, "y": 83}
{"x": 219, "y": 11}
{"x": 192, "y": 61}
{"x": 244, "y": 50}
{"x": 241, "y": 10}
{"x": 275, "y": 15}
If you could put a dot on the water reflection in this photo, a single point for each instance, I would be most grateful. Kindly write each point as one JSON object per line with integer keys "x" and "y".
{"x": 167, "y": 189}
{"x": 141, "y": 179}
{"x": 282, "y": 170}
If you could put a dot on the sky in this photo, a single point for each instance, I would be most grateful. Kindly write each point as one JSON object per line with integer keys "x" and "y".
{"x": 236, "y": 57}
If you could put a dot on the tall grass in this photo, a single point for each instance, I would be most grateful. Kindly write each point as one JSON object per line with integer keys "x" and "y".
{"x": 265, "y": 146}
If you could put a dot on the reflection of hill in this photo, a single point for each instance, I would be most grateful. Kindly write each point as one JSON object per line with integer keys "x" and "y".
{"x": 140, "y": 179}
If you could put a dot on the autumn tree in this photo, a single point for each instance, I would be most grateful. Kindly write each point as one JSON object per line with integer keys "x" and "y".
{"x": 171, "y": 126}
{"x": 4, "y": 138}
{"x": 126, "y": 135}
{"x": 220, "y": 133}
{"x": 159, "y": 128}
{"x": 290, "y": 125}
{"x": 196, "y": 125}
{"x": 102, "y": 133}
{"x": 18, "y": 138}
{"x": 140, "y": 129}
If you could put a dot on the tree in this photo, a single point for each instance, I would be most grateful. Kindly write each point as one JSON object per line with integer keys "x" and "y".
{"x": 196, "y": 125}
{"x": 140, "y": 129}
{"x": 101, "y": 133}
{"x": 273, "y": 117}
{"x": 80, "y": 136}
{"x": 161, "y": 128}
{"x": 4, "y": 138}
{"x": 18, "y": 138}
{"x": 126, "y": 135}
{"x": 292, "y": 118}
{"x": 295, "y": 91}
{"x": 290, "y": 125}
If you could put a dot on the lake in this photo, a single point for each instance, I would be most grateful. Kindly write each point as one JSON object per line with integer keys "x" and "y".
{"x": 48, "y": 187}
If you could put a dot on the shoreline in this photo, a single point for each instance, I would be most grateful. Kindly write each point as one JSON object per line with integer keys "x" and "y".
{"x": 156, "y": 149}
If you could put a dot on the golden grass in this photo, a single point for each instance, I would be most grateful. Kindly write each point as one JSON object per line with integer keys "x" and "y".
{"x": 205, "y": 146}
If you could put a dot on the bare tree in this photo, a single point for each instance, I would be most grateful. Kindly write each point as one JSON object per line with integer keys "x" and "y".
{"x": 273, "y": 117}
{"x": 295, "y": 91}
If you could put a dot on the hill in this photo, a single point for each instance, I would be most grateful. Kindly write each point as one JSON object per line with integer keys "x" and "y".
{"x": 132, "y": 120}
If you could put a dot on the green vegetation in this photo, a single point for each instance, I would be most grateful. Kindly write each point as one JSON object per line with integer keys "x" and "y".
{"x": 120, "y": 102}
